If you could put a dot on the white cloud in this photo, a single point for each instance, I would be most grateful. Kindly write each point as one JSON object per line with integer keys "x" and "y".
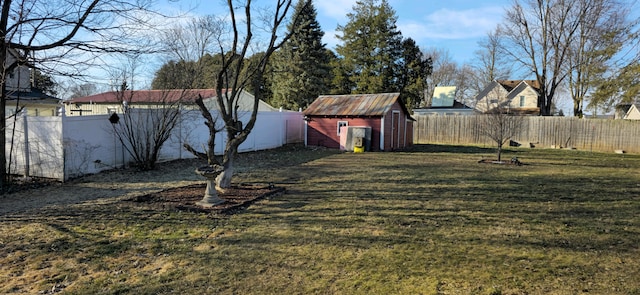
{"x": 336, "y": 9}
{"x": 453, "y": 24}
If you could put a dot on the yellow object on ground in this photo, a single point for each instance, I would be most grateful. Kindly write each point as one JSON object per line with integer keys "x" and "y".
{"x": 358, "y": 149}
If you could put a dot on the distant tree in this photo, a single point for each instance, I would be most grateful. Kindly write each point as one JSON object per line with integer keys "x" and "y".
{"x": 81, "y": 90}
{"x": 559, "y": 40}
{"x": 301, "y": 65}
{"x": 44, "y": 82}
{"x": 490, "y": 62}
{"x": 371, "y": 47}
{"x": 265, "y": 82}
{"x": 413, "y": 72}
{"x": 178, "y": 75}
{"x": 465, "y": 85}
{"x": 341, "y": 82}
{"x": 621, "y": 87}
{"x": 444, "y": 73}
{"x": 603, "y": 34}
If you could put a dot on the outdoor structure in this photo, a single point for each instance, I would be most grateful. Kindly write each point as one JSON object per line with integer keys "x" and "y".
{"x": 114, "y": 101}
{"x": 390, "y": 124}
{"x": 64, "y": 147}
{"x": 514, "y": 96}
{"x": 443, "y": 102}
{"x": 628, "y": 111}
{"x": 21, "y": 93}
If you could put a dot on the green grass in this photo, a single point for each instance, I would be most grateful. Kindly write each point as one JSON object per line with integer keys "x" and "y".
{"x": 426, "y": 221}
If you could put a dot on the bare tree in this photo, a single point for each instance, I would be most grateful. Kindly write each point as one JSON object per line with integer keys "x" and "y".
{"x": 499, "y": 123}
{"x": 57, "y": 35}
{"x": 444, "y": 72}
{"x": 602, "y": 34}
{"x": 490, "y": 61}
{"x": 147, "y": 121}
{"x": 236, "y": 74}
{"x": 540, "y": 35}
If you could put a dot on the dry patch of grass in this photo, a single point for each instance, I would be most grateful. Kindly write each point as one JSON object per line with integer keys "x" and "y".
{"x": 426, "y": 221}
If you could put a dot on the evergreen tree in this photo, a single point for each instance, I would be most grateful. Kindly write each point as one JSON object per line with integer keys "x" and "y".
{"x": 339, "y": 79}
{"x": 301, "y": 66}
{"x": 413, "y": 72}
{"x": 372, "y": 48}
{"x": 177, "y": 75}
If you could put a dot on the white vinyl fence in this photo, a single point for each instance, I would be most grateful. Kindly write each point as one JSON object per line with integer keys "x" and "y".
{"x": 68, "y": 147}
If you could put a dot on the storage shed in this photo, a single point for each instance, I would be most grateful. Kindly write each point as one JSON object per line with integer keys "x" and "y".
{"x": 384, "y": 113}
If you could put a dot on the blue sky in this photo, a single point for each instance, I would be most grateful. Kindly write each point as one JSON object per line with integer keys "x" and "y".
{"x": 454, "y": 25}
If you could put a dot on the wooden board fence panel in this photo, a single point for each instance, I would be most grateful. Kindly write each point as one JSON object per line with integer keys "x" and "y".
{"x": 567, "y": 132}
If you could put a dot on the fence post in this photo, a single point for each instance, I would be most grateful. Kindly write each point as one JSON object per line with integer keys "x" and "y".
{"x": 26, "y": 142}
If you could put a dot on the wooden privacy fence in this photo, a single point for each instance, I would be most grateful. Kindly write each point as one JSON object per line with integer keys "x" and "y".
{"x": 568, "y": 132}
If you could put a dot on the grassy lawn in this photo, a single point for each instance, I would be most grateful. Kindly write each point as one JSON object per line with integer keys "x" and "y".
{"x": 427, "y": 221}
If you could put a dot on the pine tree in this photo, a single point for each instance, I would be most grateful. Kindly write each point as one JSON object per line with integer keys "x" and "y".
{"x": 372, "y": 49}
{"x": 413, "y": 72}
{"x": 301, "y": 66}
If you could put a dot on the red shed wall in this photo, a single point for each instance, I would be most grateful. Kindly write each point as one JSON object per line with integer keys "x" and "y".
{"x": 402, "y": 136}
{"x": 323, "y": 131}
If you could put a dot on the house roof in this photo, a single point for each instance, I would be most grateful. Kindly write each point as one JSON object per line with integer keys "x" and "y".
{"x": 353, "y": 105}
{"x": 147, "y": 96}
{"x": 443, "y": 96}
{"x": 623, "y": 108}
{"x": 511, "y": 84}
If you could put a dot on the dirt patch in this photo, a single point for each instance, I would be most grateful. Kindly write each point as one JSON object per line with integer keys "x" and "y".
{"x": 184, "y": 198}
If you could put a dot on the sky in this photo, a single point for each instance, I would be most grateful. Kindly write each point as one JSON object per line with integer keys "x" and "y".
{"x": 453, "y": 25}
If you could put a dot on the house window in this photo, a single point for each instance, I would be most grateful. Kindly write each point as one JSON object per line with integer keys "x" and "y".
{"x": 342, "y": 124}
{"x": 493, "y": 101}
{"x": 522, "y": 100}
{"x": 111, "y": 110}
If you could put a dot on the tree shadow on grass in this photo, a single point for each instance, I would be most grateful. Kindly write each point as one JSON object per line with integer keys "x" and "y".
{"x": 444, "y": 148}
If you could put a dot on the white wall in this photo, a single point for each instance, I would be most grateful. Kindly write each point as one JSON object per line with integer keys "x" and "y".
{"x": 68, "y": 147}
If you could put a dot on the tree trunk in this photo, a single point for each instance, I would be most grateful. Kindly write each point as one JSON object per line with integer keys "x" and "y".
{"x": 223, "y": 181}
{"x": 499, "y": 153}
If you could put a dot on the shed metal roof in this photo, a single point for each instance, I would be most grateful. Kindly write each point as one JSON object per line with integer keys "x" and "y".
{"x": 353, "y": 105}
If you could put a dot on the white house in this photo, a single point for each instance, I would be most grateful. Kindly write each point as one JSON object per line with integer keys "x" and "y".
{"x": 22, "y": 95}
{"x": 443, "y": 102}
{"x": 513, "y": 96}
{"x": 633, "y": 112}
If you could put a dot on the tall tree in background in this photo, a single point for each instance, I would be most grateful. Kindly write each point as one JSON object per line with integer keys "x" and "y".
{"x": 178, "y": 75}
{"x": 414, "y": 70}
{"x": 58, "y": 35}
{"x": 542, "y": 36}
{"x": 340, "y": 76}
{"x": 301, "y": 66}
{"x": 372, "y": 47}
{"x": 603, "y": 33}
{"x": 490, "y": 62}
{"x": 444, "y": 71}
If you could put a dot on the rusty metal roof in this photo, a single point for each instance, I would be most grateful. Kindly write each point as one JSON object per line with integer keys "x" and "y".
{"x": 353, "y": 105}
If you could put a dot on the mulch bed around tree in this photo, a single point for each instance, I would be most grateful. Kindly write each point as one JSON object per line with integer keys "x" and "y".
{"x": 513, "y": 161}
{"x": 184, "y": 198}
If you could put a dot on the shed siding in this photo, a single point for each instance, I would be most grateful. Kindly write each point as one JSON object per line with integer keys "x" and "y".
{"x": 403, "y": 135}
{"x": 323, "y": 131}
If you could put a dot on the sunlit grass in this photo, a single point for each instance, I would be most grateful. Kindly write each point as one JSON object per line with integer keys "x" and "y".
{"x": 427, "y": 221}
